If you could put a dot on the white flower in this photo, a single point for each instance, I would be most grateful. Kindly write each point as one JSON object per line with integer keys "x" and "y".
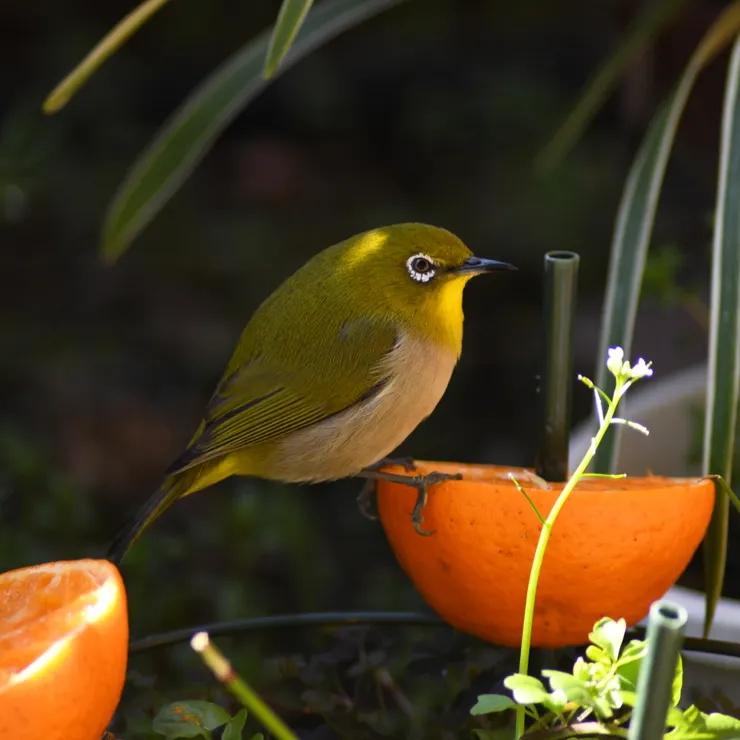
{"x": 621, "y": 368}
{"x": 614, "y": 360}
{"x": 642, "y": 369}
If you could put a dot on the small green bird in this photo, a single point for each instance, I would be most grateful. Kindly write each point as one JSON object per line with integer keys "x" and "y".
{"x": 335, "y": 369}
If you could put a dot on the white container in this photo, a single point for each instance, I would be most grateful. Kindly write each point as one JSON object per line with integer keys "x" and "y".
{"x": 668, "y": 408}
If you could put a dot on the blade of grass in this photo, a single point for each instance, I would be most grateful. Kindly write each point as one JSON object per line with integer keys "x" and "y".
{"x": 290, "y": 19}
{"x": 189, "y": 134}
{"x": 636, "y": 217}
{"x": 630, "y": 242}
{"x": 637, "y": 37}
{"x": 122, "y": 32}
{"x": 723, "y": 376}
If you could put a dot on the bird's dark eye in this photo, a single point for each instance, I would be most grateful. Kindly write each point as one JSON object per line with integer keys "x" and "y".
{"x": 421, "y": 268}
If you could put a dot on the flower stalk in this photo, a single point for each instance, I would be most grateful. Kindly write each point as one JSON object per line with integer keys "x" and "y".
{"x": 625, "y": 375}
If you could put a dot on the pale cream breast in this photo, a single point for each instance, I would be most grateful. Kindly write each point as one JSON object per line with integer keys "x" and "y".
{"x": 342, "y": 445}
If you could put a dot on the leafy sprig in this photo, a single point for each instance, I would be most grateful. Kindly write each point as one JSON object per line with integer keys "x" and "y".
{"x": 198, "y": 719}
{"x": 598, "y": 695}
{"x": 625, "y": 375}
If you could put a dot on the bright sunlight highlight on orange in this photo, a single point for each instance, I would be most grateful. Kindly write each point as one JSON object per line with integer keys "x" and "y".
{"x": 63, "y": 650}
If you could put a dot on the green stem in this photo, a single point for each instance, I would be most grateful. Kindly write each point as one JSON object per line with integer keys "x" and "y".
{"x": 224, "y": 672}
{"x": 539, "y": 554}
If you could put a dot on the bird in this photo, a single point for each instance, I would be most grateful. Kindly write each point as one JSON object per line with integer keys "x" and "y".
{"x": 334, "y": 369}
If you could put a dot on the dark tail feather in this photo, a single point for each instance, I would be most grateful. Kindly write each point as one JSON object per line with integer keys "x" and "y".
{"x": 167, "y": 493}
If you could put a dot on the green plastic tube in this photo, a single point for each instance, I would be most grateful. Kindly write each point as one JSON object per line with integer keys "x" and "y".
{"x": 666, "y": 625}
{"x": 561, "y": 288}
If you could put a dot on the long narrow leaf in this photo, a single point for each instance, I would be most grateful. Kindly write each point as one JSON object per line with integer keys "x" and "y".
{"x": 290, "y": 19}
{"x": 636, "y": 217}
{"x": 633, "y": 230}
{"x": 722, "y": 488}
{"x": 187, "y": 137}
{"x": 637, "y": 37}
{"x": 723, "y": 376}
{"x": 112, "y": 41}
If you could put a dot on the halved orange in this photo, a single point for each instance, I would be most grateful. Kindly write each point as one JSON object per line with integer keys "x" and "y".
{"x": 63, "y": 650}
{"x": 617, "y": 546}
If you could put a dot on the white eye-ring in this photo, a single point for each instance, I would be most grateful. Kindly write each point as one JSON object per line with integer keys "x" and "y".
{"x": 421, "y": 268}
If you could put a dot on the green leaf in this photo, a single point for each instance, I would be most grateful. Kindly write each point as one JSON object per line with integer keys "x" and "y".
{"x": 632, "y": 234}
{"x": 693, "y": 717}
{"x": 583, "y": 670}
{"x": 257, "y": 736}
{"x": 290, "y": 19}
{"x": 633, "y": 650}
{"x": 597, "y": 655}
{"x": 185, "y": 719}
{"x": 723, "y": 374}
{"x": 555, "y": 702}
{"x": 628, "y": 698}
{"x": 189, "y": 134}
{"x": 677, "y": 684}
{"x": 675, "y": 717}
{"x": 526, "y": 689}
{"x": 628, "y": 665}
{"x": 608, "y": 635}
{"x": 635, "y": 219}
{"x": 718, "y": 722}
{"x": 695, "y": 725}
{"x": 572, "y": 688}
{"x": 235, "y": 725}
{"x": 111, "y": 42}
{"x": 490, "y": 703}
{"x": 176, "y": 730}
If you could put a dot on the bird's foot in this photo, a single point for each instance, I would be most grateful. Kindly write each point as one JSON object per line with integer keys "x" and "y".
{"x": 365, "y": 499}
{"x": 408, "y": 463}
{"x": 420, "y": 482}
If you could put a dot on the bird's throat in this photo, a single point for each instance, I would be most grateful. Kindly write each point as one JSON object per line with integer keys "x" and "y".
{"x": 445, "y": 321}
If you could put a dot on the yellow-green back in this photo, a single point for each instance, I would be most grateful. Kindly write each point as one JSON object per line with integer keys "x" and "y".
{"x": 315, "y": 346}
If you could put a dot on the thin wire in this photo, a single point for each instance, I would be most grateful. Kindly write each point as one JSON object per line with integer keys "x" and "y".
{"x": 339, "y": 619}
{"x": 281, "y": 621}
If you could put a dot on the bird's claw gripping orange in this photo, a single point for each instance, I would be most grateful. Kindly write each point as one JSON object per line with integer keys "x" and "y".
{"x": 422, "y": 483}
{"x": 419, "y": 482}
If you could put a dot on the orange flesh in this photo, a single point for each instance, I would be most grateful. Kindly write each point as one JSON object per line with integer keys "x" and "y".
{"x": 36, "y": 610}
{"x": 63, "y": 650}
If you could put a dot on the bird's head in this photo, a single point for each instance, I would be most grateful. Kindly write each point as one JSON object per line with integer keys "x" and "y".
{"x": 416, "y": 273}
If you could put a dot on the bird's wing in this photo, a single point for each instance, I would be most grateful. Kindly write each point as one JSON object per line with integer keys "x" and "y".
{"x": 259, "y": 401}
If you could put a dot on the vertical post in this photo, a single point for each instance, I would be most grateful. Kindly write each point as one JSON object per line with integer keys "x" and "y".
{"x": 666, "y": 625}
{"x": 561, "y": 289}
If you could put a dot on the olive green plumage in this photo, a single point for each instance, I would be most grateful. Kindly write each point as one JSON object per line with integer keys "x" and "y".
{"x": 335, "y": 368}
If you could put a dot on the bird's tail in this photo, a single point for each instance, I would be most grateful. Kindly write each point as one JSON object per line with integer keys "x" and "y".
{"x": 172, "y": 488}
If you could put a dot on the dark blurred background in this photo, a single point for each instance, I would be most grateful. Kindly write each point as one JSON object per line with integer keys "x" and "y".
{"x": 433, "y": 111}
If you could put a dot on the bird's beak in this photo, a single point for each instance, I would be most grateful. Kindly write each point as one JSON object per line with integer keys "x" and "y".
{"x": 478, "y": 265}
